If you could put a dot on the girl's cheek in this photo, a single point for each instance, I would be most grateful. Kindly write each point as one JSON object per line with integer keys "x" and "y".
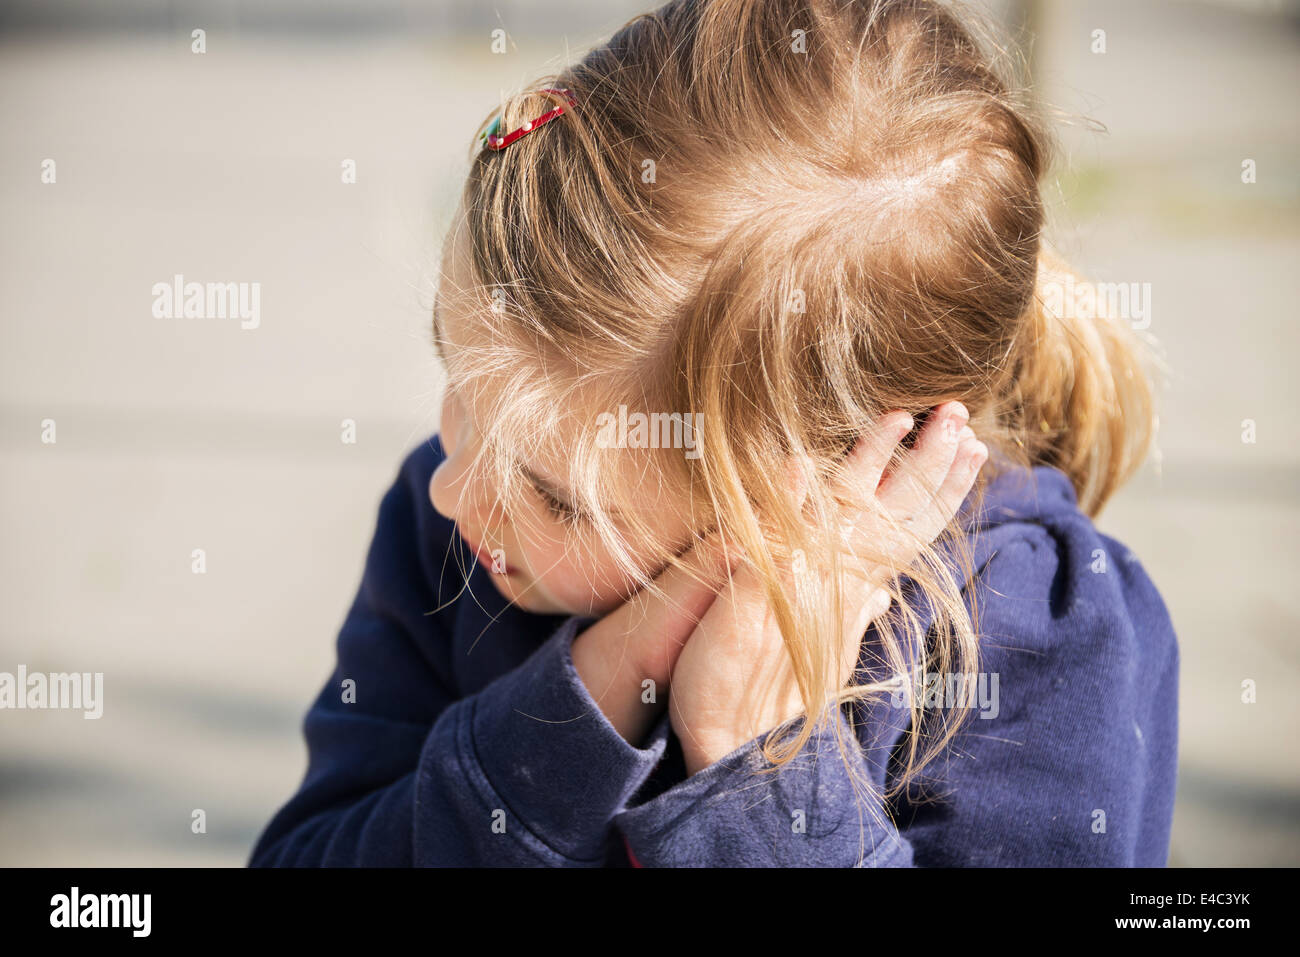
{"x": 606, "y": 587}
{"x": 449, "y": 425}
{"x": 575, "y": 585}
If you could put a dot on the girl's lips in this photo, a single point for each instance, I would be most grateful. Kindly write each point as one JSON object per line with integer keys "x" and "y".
{"x": 486, "y": 562}
{"x": 485, "y": 558}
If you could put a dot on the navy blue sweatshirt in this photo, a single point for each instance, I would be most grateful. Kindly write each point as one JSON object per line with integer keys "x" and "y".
{"x": 467, "y": 737}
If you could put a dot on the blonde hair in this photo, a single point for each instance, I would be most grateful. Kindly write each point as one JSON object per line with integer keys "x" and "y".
{"x": 789, "y": 217}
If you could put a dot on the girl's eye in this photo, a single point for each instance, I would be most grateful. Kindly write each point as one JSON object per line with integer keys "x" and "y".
{"x": 559, "y": 510}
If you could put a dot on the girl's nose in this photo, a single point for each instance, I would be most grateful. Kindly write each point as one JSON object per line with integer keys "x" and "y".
{"x": 457, "y": 490}
{"x": 460, "y": 493}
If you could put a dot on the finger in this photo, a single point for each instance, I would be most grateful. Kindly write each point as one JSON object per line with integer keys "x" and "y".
{"x": 798, "y": 474}
{"x": 866, "y": 462}
{"x": 748, "y": 603}
{"x": 914, "y": 496}
{"x": 971, "y": 456}
{"x": 909, "y": 489}
{"x": 930, "y": 519}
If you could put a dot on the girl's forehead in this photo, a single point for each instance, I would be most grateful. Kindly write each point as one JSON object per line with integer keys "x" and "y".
{"x": 557, "y": 430}
{"x": 561, "y": 417}
{"x": 631, "y": 479}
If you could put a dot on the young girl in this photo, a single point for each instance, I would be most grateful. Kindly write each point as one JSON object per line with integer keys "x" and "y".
{"x": 703, "y": 567}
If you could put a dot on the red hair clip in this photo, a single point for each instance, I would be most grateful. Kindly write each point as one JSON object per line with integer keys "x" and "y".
{"x": 494, "y": 141}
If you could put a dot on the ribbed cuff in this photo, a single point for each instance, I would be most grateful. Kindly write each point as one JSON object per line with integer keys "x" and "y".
{"x": 545, "y": 747}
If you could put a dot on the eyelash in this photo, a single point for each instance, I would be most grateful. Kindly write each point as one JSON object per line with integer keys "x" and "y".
{"x": 559, "y": 510}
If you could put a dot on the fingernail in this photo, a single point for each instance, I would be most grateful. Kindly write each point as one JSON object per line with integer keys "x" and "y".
{"x": 956, "y": 421}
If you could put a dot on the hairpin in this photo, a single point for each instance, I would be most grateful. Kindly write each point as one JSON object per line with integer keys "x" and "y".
{"x": 494, "y": 141}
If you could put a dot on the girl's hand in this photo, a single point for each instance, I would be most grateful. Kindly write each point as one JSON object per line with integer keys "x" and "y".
{"x": 626, "y": 658}
{"x": 733, "y": 680}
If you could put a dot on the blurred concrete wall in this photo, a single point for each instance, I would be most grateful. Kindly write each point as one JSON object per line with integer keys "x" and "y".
{"x": 175, "y": 436}
{"x": 313, "y": 17}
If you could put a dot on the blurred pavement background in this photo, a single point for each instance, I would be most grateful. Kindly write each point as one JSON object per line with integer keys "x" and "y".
{"x": 174, "y": 435}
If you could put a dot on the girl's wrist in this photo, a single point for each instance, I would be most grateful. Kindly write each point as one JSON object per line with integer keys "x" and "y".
{"x": 699, "y": 753}
{"x": 617, "y": 686}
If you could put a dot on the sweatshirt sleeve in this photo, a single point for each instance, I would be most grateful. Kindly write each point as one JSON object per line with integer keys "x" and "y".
{"x": 402, "y": 771}
{"x": 1072, "y": 760}
{"x": 743, "y": 812}
{"x": 1068, "y": 757}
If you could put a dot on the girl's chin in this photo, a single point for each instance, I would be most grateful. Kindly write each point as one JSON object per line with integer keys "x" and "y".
{"x": 531, "y": 599}
{"x": 521, "y": 596}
